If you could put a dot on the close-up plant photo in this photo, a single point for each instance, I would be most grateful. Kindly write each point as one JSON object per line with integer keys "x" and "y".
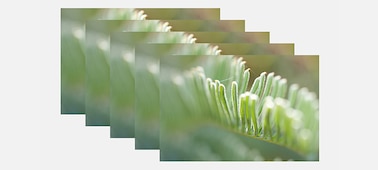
{"x": 188, "y": 84}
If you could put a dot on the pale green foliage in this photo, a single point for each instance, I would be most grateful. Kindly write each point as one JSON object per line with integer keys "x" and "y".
{"x": 265, "y": 111}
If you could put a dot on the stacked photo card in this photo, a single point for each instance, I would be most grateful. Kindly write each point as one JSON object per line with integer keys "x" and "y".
{"x": 189, "y": 84}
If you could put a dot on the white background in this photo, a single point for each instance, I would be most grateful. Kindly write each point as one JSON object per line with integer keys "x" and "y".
{"x": 35, "y": 136}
